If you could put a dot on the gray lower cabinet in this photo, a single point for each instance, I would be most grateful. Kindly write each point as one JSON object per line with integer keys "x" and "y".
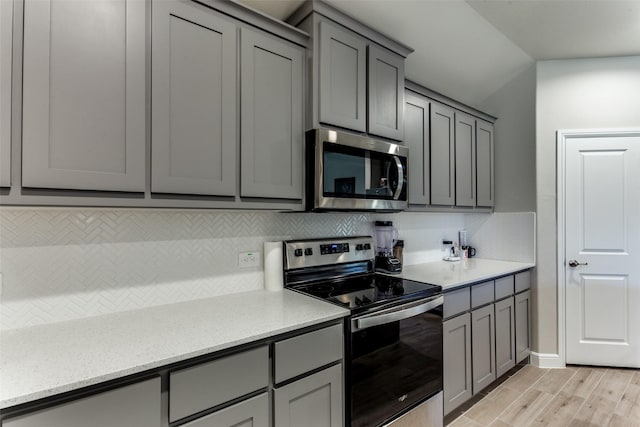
{"x": 442, "y": 155}
{"x": 84, "y": 95}
{"x": 522, "y": 325}
{"x": 252, "y": 412}
{"x": 386, "y": 93}
{"x": 272, "y": 82}
{"x": 505, "y": 336}
{"x": 313, "y": 401}
{"x": 416, "y": 137}
{"x": 136, "y": 405}
{"x": 465, "y": 143}
{"x": 206, "y": 385}
{"x": 343, "y": 76}
{"x": 483, "y": 347}
{"x": 6, "y": 50}
{"x": 457, "y": 380}
{"x": 485, "y": 195}
{"x": 194, "y": 117}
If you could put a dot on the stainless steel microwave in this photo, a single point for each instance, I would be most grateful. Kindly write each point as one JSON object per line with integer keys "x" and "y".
{"x": 346, "y": 172}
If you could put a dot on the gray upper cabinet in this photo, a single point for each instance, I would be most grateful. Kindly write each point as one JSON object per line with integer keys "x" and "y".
{"x": 442, "y": 155}
{"x": 484, "y": 164}
{"x": 416, "y": 137}
{"x": 343, "y": 76}
{"x": 6, "y": 40}
{"x": 313, "y": 401}
{"x": 84, "y": 95}
{"x": 194, "y": 118}
{"x": 272, "y": 116}
{"x": 465, "y": 143}
{"x": 137, "y": 405}
{"x": 386, "y": 93}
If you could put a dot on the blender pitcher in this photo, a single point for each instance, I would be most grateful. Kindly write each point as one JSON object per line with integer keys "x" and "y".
{"x": 386, "y": 236}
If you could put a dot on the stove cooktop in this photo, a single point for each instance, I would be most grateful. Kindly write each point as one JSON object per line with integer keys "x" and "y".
{"x": 361, "y": 293}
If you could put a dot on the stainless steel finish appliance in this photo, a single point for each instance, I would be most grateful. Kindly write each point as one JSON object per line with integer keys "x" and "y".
{"x": 393, "y": 337}
{"x": 346, "y": 172}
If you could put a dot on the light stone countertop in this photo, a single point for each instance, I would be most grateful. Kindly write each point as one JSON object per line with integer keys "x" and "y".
{"x": 452, "y": 274}
{"x": 42, "y": 361}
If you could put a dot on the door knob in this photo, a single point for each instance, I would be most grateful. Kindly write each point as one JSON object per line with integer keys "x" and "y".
{"x": 573, "y": 263}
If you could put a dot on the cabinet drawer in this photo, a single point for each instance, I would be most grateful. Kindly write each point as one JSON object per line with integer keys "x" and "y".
{"x": 504, "y": 287}
{"x": 523, "y": 281}
{"x": 482, "y": 294}
{"x": 252, "y": 412}
{"x": 304, "y": 353}
{"x": 200, "y": 387}
{"x": 136, "y": 405}
{"x": 456, "y": 302}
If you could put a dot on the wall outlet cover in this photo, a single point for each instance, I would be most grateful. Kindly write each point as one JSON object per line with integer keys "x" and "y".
{"x": 249, "y": 259}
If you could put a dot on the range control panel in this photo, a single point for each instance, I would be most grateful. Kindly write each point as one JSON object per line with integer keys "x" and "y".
{"x": 318, "y": 252}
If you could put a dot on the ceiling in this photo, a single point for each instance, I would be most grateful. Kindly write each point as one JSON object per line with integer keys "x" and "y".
{"x": 469, "y": 49}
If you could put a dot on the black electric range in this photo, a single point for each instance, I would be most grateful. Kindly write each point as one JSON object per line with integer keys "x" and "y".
{"x": 367, "y": 292}
{"x": 393, "y": 336}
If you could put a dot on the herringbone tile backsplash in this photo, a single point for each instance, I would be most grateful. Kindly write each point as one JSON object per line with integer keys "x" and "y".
{"x": 62, "y": 264}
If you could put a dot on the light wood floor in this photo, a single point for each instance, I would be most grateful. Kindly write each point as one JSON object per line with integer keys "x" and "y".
{"x": 576, "y": 396}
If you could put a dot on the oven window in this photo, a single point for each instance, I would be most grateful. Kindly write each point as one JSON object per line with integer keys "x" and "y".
{"x": 394, "y": 366}
{"x": 350, "y": 172}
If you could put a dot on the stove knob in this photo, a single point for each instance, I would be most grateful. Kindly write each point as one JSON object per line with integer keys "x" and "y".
{"x": 366, "y": 300}
{"x": 367, "y": 246}
{"x": 358, "y": 302}
{"x": 359, "y": 247}
{"x": 308, "y": 251}
{"x": 297, "y": 252}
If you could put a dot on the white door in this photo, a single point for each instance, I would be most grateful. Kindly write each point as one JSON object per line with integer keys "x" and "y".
{"x": 602, "y": 235}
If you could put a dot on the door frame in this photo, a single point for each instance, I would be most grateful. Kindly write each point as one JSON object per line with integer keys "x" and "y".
{"x": 561, "y": 138}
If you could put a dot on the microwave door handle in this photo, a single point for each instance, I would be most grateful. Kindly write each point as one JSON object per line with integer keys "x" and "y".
{"x": 396, "y": 195}
{"x": 393, "y": 315}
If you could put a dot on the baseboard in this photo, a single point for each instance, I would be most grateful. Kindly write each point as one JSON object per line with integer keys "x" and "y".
{"x": 549, "y": 360}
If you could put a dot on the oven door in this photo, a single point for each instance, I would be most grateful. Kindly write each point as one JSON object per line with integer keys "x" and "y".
{"x": 396, "y": 361}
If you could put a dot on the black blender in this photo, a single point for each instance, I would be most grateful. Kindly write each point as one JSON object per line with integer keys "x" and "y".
{"x": 386, "y": 236}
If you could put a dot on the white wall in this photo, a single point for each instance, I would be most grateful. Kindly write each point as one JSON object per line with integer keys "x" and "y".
{"x": 515, "y": 132}
{"x": 571, "y": 94}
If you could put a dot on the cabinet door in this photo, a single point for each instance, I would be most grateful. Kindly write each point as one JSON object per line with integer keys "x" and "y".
{"x": 313, "y": 401}
{"x": 483, "y": 345}
{"x": 484, "y": 164}
{"x": 137, "y": 405}
{"x": 505, "y": 336}
{"x": 84, "y": 100}
{"x": 194, "y": 100}
{"x": 272, "y": 117}
{"x": 386, "y": 93}
{"x": 442, "y": 155}
{"x": 523, "y": 325}
{"x": 343, "y": 77}
{"x": 465, "y": 160}
{"x": 456, "y": 361}
{"x": 252, "y": 412}
{"x": 416, "y": 137}
{"x": 6, "y": 40}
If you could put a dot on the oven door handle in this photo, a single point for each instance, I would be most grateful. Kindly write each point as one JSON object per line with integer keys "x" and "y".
{"x": 395, "y": 314}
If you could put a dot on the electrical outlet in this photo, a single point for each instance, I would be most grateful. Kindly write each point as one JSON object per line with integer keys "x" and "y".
{"x": 248, "y": 259}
